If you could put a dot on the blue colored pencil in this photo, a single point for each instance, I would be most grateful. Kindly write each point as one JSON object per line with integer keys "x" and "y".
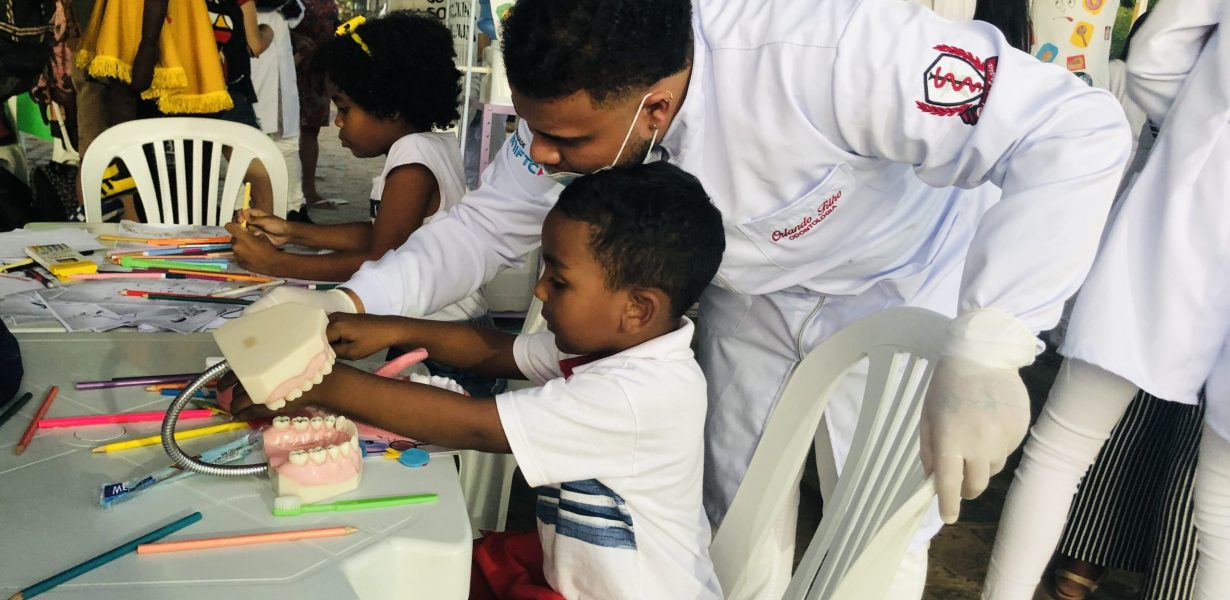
{"x": 105, "y": 557}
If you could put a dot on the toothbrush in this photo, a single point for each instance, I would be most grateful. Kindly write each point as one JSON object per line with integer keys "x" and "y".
{"x": 289, "y": 506}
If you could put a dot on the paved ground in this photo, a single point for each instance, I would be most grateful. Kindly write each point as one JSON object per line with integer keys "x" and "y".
{"x": 959, "y": 553}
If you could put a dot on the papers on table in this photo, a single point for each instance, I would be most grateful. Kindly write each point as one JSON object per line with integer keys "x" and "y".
{"x": 98, "y": 306}
{"x": 145, "y": 230}
{"x": 13, "y": 243}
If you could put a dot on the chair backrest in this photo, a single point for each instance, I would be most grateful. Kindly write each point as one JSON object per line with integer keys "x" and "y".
{"x": 186, "y": 191}
{"x": 881, "y": 482}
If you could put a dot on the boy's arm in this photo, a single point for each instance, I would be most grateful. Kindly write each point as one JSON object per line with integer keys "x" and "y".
{"x": 423, "y": 412}
{"x": 479, "y": 350}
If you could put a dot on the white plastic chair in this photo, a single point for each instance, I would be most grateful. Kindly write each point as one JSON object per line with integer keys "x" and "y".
{"x": 486, "y": 479}
{"x": 873, "y": 509}
{"x": 175, "y": 137}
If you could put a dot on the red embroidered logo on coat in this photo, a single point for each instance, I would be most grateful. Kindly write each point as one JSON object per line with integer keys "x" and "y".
{"x": 957, "y": 83}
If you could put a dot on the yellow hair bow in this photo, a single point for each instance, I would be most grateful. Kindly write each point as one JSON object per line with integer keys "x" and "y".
{"x": 348, "y": 28}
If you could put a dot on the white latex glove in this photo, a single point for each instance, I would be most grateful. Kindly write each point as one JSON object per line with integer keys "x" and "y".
{"x": 330, "y": 300}
{"x": 977, "y": 409}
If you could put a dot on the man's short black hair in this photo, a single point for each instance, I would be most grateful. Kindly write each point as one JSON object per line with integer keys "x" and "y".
{"x": 608, "y": 48}
{"x": 409, "y": 72}
{"x": 653, "y": 226}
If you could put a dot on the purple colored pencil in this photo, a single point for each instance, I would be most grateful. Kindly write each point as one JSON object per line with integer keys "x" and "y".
{"x": 133, "y": 381}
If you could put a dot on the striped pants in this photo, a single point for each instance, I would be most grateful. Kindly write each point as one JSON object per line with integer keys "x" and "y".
{"x": 1134, "y": 509}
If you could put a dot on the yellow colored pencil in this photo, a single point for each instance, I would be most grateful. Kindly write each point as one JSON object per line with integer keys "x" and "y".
{"x": 179, "y": 435}
{"x": 247, "y": 203}
{"x": 241, "y": 540}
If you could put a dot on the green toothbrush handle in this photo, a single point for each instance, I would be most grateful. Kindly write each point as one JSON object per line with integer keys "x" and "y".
{"x": 363, "y": 503}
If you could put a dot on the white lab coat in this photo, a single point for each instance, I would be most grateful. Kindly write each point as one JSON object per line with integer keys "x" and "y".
{"x": 1156, "y": 307}
{"x": 836, "y": 153}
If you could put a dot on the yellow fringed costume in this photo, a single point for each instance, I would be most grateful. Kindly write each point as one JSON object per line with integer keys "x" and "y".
{"x": 188, "y": 77}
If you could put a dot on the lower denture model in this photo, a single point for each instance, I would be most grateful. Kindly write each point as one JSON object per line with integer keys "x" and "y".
{"x": 315, "y": 457}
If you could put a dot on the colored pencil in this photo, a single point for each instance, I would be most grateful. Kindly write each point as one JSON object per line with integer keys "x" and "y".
{"x": 228, "y": 541}
{"x": 14, "y": 407}
{"x": 197, "y": 394}
{"x": 15, "y": 264}
{"x": 115, "y": 382}
{"x": 185, "y": 297}
{"x": 166, "y": 241}
{"x": 131, "y": 261}
{"x": 158, "y": 387}
{"x": 247, "y": 203}
{"x": 33, "y": 426}
{"x": 112, "y": 275}
{"x": 39, "y": 277}
{"x": 105, "y": 557}
{"x": 186, "y": 434}
{"x": 140, "y": 417}
{"x": 247, "y": 288}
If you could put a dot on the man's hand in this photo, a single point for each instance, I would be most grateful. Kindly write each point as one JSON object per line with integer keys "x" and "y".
{"x": 972, "y": 419}
{"x": 253, "y": 253}
{"x": 359, "y": 336}
{"x": 242, "y": 408}
{"x": 977, "y": 410}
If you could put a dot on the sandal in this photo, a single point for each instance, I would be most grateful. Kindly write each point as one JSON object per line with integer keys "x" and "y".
{"x": 1087, "y": 586}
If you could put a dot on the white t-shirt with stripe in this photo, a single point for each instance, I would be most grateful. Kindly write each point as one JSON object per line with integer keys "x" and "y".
{"x": 615, "y": 452}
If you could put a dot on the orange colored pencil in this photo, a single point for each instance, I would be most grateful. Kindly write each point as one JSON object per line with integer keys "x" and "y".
{"x": 33, "y": 426}
{"x": 243, "y": 540}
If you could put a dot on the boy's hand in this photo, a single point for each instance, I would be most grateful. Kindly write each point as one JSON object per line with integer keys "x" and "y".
{"x": 359, "y": 336}
{"x": 253, "y": 253}
{"x": 242, "y": 408}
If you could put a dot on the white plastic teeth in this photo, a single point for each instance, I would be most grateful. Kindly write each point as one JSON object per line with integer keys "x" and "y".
{"x": 294, "y": 395}
{"x": 300, "y": 423}
{"x": 344, "y": 449}
{"x": 354, "y": 442}
{"x": 317, "y": 422}
{"x": 275, "y": 404}
{"x": 333, "y": 452}
{"x": 330, "y": 421}
{"x": 318, "y": 455}
{"x": 298, "y": 457}
{"x": 341, "y": 422}
{"x": 281, "y": 422}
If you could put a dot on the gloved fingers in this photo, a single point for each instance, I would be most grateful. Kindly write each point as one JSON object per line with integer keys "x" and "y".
{"x": 997, "y": 465}
{"x": 977, "y": 476}
{"x": 948, "y": 474}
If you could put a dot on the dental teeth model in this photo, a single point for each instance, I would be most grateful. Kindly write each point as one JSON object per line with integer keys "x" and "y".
{"x": 313, "y": 457}
{"x": 277, "y": 353}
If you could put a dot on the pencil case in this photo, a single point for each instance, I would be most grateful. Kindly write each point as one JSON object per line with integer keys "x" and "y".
{"x": 61, "y": 260}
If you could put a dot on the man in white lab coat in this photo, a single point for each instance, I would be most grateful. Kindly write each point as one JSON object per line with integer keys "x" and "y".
{"x": 846, "y": 143}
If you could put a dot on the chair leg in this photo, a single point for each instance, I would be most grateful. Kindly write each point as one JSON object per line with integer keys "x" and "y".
{"x": 486, "y": 482}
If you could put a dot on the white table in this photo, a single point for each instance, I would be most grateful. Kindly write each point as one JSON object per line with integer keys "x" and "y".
{"x": 50, "y": 518}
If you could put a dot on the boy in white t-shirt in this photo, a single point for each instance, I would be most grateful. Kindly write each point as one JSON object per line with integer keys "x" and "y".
{"x": 613, "y": 437}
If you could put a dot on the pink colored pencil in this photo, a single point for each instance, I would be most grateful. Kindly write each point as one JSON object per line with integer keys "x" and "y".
{"x": 140, "y": 417}
{"x": 241, "y": 540}
{"x": 84, "y": 276}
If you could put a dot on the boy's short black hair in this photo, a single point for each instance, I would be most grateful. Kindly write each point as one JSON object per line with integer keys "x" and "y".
{"x": 408, "y": 74}
{"x": 653, "y": 226}
{"x": 608, "y": 48}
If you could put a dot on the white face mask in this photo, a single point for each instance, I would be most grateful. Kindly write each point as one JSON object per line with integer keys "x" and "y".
{"x": 567, "y": 177}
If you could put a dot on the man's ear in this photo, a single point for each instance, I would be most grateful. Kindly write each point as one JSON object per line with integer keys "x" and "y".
{"x": 645, "y": 305}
